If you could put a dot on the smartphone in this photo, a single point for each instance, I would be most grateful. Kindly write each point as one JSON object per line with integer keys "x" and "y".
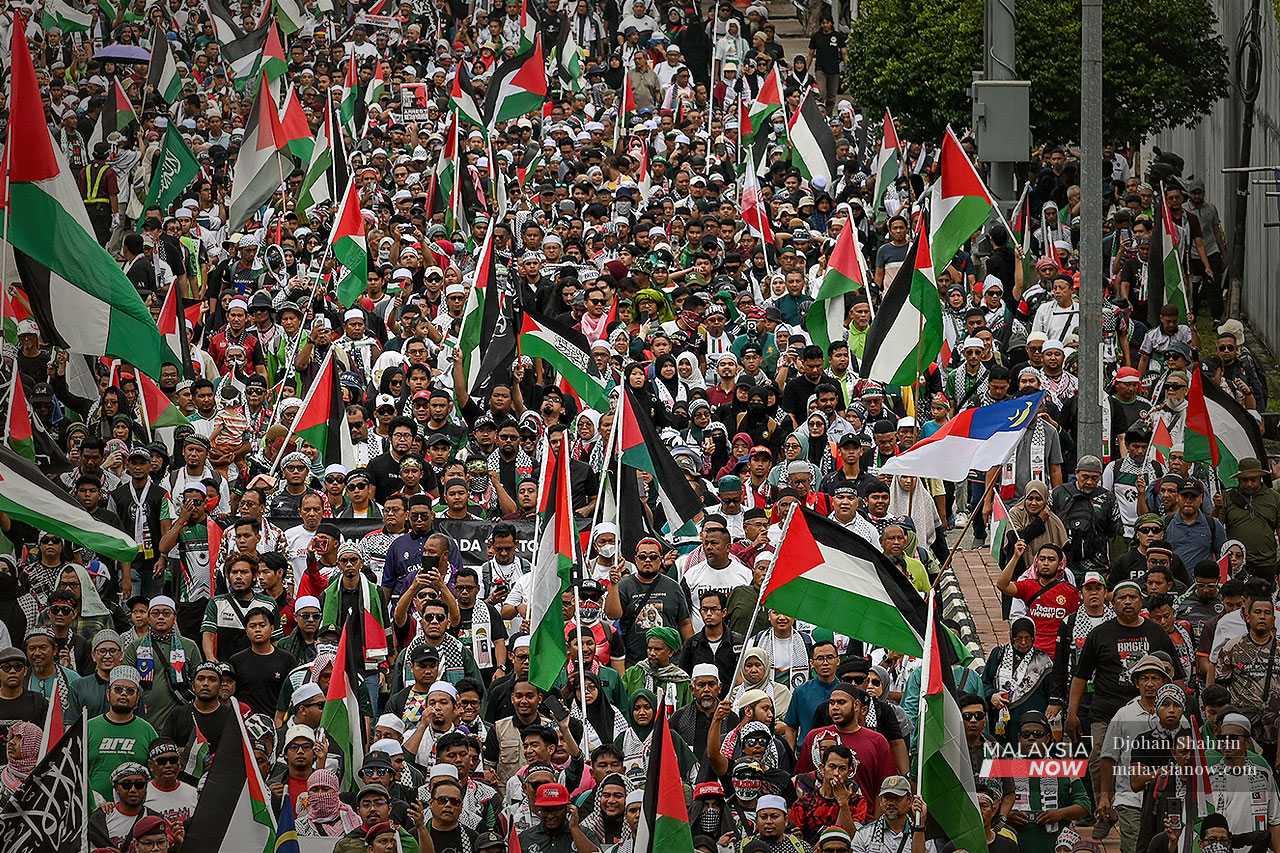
{"x": 556, "y": 707}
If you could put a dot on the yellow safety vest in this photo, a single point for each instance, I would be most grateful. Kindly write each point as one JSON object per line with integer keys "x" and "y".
{"x": 93, "y": 186}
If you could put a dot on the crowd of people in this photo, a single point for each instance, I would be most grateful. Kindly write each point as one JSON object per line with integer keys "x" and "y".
{"x": 1139, "y": 586}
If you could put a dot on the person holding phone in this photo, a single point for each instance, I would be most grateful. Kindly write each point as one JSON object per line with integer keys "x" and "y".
{"x": 1043, "y": 807}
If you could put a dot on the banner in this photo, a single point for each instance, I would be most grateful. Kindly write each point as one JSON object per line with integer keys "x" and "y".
{"x": 470, "y": 535}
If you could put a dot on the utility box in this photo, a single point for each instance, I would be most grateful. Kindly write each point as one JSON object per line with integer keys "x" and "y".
{"x": 1001, "y": 120}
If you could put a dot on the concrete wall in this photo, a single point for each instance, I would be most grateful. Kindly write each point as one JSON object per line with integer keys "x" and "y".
{"x": 1215, "y": 143}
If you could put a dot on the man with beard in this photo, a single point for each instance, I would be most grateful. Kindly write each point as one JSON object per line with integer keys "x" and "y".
{"x": 646, "y": 599}
{"x": 874, "y": 758}
{"x": 113, "y": 823}
{"x": 204, "y": 718}
{"x": 606, "y": 824}
{"x": 656, "y": 672}
{"x": 693, "y": 721}
{"x": 88, "y": 695}
{"x": 162, "y": 657}
{"x": 119, "y": 736}
{"x": 1049, "y": 597}
{"x": 222, "y": 630}
{"x": 901, "y": 820}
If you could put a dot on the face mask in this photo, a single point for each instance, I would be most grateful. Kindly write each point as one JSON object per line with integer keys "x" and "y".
{"x": 708, "y": 822}
{"x": 607, "y": 550}
{"x": 211, "y": 504}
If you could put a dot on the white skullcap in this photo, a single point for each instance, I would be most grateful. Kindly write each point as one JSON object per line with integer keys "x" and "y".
{"x": 706, "y": 670}
{"x": 521, "y": 642}
{"x": 390, "y": 721}
{"x": 387, "y": 745}
{"x": 306, "y": 601}
{"x": 303, "y": 692}
{"x": 771, "y": 801}
{"x": 445, "y": 688}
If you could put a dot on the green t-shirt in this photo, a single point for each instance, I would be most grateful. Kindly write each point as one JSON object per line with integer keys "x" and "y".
{"x": 112, "y": 744}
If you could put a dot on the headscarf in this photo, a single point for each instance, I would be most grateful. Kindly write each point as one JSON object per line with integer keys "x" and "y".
{"x": 696, "y": 381}
{"x": 1052, "y": 531}
{"x": 581, "y": 448}
{"x": 91, "y": 605}
{"x": 641, "y": 732}
{"x": 920, "y": 509}
{"x": 18, "y": 769}
{"x": 667, "y": 635}
{"x": 325, "y": 807}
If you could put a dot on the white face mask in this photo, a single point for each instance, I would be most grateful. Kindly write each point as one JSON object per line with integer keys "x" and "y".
{"x": 607, "y": 550}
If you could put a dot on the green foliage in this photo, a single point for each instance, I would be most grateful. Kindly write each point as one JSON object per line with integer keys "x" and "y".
{"x": 1164, "y": 64}
{"x": 915, "y": 57}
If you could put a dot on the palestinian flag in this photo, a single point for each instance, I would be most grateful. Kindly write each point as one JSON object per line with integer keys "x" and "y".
{"x": 557, "y": 551}
{"x": 830, "y": 576}
{"x": 1161, "y": 440}
{"x": 481, "y": 312}
{"x": 14, "y": 304}
{"x": 245, "y": 57}
{"x": 754, "y": 212}
{"x": 959, "y": 202}
{"x": 664, "y": 819}
{"x": 261, "y": 166}
{"x": 341, "y": 717}
{"x": 225, "y": 25}
{"x": 289, "y": 15}
{"x": 446, "y": 171}
{"x": 315, "y": 169}
{"x": 17, "y": 421}
{"x": 561, "y": 347}
{"x": 906, "y": 334}
{"x": 113, "y": 12}
{"x": 347, "y": 242}
{"x": 27, "y": 495}
{"x": 296, "y": 135}
{"x": 79, "y": 295}
{"x": 377, "y": 86}
{"x": 569, "y": 61}
{"x": 1000, "y": 526}
{"x": 813, "y": 148}
{"x": 517, "y": 87}
{"x": 888, "y": 165}
{"x": 530, "y": 160}
{"x": 157, "y": 409}
{"x": 528, "y": 27}
{"x": 55, "y": 724}
{"x": 846, "y": 273}
{"x": 946, "y": 771}
{"x": 273, "y": 62}
{"x": 233, "y": 813}
{"x": 62, "y": 15}
{"x": 462, "y": 100}
{"x": 643, "y": 450}
{"x": 322, "y": 420}
{"x": 756, "y": 116}
{"x": 117, "y": 115}
{"x": 172, "y": 323}
{"x": 1166, "y": 281}
{"x": 1219, "y": 430}
{"x": 350, "y": 97}
{"x": 1020, "y": 222}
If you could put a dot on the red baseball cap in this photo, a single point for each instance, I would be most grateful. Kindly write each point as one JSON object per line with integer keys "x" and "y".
{"x": 551, "y": 795}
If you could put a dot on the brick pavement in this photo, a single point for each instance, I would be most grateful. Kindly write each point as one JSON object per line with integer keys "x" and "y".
{"x": 976, "y": 572}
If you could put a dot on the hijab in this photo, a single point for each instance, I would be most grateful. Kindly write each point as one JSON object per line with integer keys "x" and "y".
{"x": 920, "y": 509}
{"x": 91, "y": 606}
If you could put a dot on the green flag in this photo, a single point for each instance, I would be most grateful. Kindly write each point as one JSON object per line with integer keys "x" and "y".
{"x": 173, "y": 171}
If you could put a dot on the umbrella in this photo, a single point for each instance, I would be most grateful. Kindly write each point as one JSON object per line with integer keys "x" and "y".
{"x": 123, "y": 53}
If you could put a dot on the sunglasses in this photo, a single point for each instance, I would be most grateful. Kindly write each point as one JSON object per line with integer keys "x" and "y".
{"x": 167, "y": 761}
{"x": 434, "y": 617}
{"x": 336, "y": 478}
{"x": 357, "y": 485}
{"x": 973, "y": 716}
{"x": 50, "y": 540}
{"x": 1175, "y": 386}
{"x": 1149, "y": 529}
{"x": 1030, "y": 734}
{"x": 132, "y": 786}
{"x": 596, "y": 301}
{"x": 12, "y": 666}
{"x": 61, "y": 610}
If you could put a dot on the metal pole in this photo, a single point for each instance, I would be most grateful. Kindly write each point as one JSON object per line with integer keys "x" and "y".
{"x": 1248, "y": 74}
{"x": 1089, "y": 428}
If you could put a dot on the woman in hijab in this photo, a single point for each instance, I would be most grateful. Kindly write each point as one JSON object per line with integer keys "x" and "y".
{"x": 23, "y": 752}
{"x": 1034, "y": 523}
{"x": 819, "y": 452}
{"x": 585, "y": 435}
{"x": 907, "y": 498}
{"x": 667, "y": 387}
{"x": 644, "y": 393}
{"x": 1016, "y": 679}
{"x": 757, "y": 674}
{"x": 794, "y": 447}
{"x": 321, "y": 814}
{"x": 634, "y": 740}
{"x": 603, "y": 720}
{"x": 689, "y": 372}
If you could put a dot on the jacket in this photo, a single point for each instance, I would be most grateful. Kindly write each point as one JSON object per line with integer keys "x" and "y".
{"x": 1092, "y": 521}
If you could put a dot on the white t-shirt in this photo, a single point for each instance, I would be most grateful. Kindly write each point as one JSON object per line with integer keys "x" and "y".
{"x": 177, "y": 805}
{"x": 702, "y": 577}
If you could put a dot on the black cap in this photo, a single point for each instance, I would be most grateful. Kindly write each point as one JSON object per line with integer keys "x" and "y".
{"x": 1191, "y": 486}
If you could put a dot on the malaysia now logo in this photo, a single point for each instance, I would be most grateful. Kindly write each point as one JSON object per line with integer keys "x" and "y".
{"x": 1052, "y": 761}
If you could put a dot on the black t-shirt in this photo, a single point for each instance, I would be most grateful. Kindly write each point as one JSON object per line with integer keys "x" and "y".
{"x": 660, "y": 604}
{"x": 826, "y": 49}
{"x": 1109, "y": 652}
{"x": 181, "y": 725}
{"x": 456, "y": 840}
{"x": 30, "y": 706}
{"x": 258, "y": 677}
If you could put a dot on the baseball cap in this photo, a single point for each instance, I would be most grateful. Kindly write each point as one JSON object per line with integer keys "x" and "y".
{"x": 551, "y": 795}
{"x": 896, "y": 786}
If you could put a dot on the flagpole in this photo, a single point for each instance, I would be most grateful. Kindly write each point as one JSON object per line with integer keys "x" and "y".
{"x": 930, "y": 603}
{"x": 609, "y": 446}
{"x": 764, "y": 584}
{"x": 290, "y": 368}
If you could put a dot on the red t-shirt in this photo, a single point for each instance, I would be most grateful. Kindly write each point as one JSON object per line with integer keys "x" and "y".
{"x": 874, "y": 758}
{"x": 1049, "y": 609}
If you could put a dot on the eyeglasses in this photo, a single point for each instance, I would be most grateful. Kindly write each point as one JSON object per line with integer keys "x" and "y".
{"x": 357, "y": 485}
{"x": 335, "y": 478}
{"x": 1226, "y": 347}
{"x": 873, "y": 682}
{"x": 1032, "y": 734}
{"x": 973, "y": 716}
{"x": 295, "y": 467}
{"x": 132, "y": 786}
{"x": 307, "y": 617}
{"x": 434, "y": 617}
{"x": 125, "y": 690}
{"x": 448, "y": 801}
{"x": 12, "y": 666}
{"x": 50, "y": 540}
{"x": 152, "y": 843}
{"x": 647, "y": 557}
{"x": 1175, "y": 386}
{"x": 61, "y": 610}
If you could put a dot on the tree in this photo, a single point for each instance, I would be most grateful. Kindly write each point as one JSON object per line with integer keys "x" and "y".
{"x": 1164, "y": 64}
